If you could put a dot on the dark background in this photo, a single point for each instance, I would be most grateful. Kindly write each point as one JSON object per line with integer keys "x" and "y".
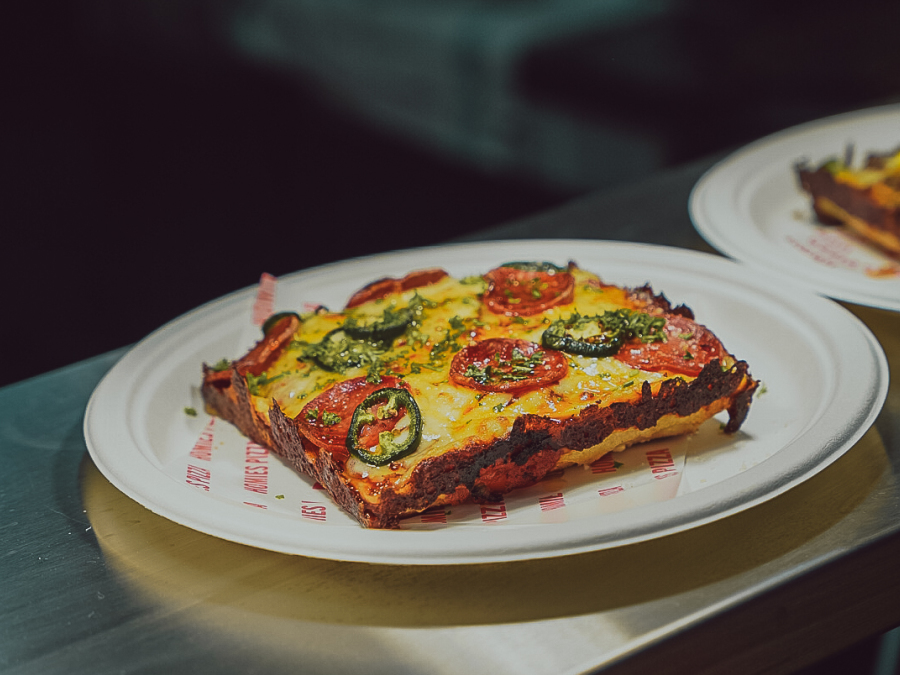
{"x": 148, "y": 169}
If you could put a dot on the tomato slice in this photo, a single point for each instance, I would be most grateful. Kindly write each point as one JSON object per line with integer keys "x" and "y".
{"x": 526, "y": 290}
{"x": 267, "y": 350}
{"x": 688, "y": 347}
{"x": 280, "y": 332}
{"x": 384, "y": 287}
{"x": 507, "y": 365}
{"x": 326, "y": 419}
{"x": 419, "y": 278}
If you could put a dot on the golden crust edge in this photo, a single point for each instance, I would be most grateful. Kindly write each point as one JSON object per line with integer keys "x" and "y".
{"x": 881, "y": 237}
{"x": 621, "y": 440}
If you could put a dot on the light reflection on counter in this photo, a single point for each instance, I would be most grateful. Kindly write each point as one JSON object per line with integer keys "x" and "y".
{"x": 181, "y": 567}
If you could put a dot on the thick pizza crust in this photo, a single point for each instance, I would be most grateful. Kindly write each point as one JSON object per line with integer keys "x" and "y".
{"x": 828, "y": 211}
{"x": 485, "y": 471}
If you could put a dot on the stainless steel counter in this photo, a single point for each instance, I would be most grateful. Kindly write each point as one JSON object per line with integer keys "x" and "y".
{"x": 94, "y": 583}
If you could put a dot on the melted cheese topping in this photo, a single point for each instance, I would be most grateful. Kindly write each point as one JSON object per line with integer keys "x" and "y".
{"x": 453, "y": 317}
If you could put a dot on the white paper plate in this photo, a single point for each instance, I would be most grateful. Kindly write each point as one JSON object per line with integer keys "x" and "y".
{"x": 824, "y": 374}
{"x": 750, "y": 207}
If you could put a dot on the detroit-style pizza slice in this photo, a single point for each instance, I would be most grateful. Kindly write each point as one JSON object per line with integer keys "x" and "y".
{"x": 429, "y": 390}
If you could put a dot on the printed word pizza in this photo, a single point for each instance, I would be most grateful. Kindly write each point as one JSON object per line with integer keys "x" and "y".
{"x": 430, "y": 390}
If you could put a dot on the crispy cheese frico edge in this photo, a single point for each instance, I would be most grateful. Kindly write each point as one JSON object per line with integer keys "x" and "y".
{"x": 428, "y": 390}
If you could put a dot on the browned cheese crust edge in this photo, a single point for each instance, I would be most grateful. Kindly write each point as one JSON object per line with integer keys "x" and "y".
{"x": 484, "y": 471}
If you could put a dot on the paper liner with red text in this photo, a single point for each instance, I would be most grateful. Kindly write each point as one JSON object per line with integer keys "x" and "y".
{"x": 838, "y": 248}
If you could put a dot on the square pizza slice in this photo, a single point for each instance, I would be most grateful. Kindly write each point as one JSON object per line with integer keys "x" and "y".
{"x": 429, "y": 390}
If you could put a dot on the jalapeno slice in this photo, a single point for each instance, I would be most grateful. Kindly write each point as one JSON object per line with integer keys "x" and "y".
{"x": 391, "y": 325}
{"x": 338, "y": 351}
{"x": 535, "y": 266}
{"x": 376, "y": 436}
{"x": 557, "y": 337}
{"x": 271, "y": 322}
{"x": 616, "y": 327}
